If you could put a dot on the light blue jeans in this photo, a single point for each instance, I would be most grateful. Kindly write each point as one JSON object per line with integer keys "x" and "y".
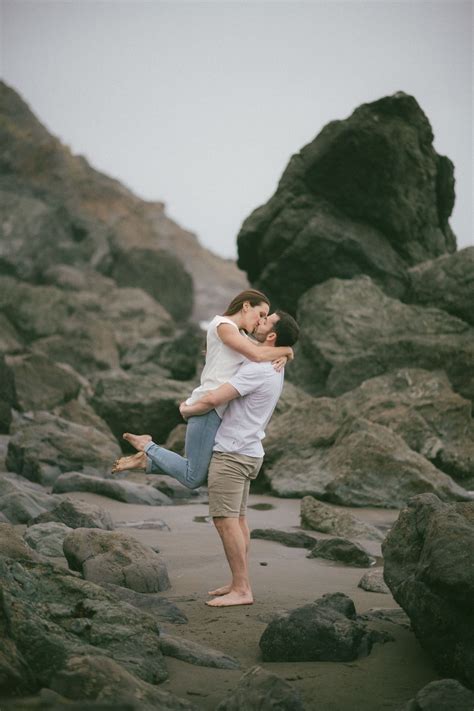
{"x": 190, "y": 470}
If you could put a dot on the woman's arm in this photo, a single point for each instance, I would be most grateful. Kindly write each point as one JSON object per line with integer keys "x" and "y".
{"x": 233, "y": 339}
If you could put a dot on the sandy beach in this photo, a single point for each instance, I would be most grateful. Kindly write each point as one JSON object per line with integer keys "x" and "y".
{"x": 282, "y": 578}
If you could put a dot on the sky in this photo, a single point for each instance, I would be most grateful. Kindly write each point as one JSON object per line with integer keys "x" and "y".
{"x": 201, "y": 104}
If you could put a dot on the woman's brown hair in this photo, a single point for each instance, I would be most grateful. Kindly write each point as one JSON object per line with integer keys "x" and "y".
{"x": 253, "y": 296}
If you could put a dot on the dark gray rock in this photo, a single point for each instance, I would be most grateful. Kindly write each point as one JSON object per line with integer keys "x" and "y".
{"x": 428, "y": 568}
{"x": 153, "y": 604}
{"x": 41, "y": 384}
{"x": 327, "y": 519}
{"x": 126, "y": 491}
{"x": 139, "y": 403}
{"x": 447, "y": 283}
{"x": 326, "y": 630}
{"x": 195, "y": 653}
{"x": 373, "y": 581}
{"x": 394, "y": 615}
{"x": 342, "y": 551}
{"x": 115, "y": 557}
{"x": 76, "y": 514}
{"x": 352, "y": 331}
{"x": 47, "y": 538}
{"x": 259, "y": 689}
{"x": 43, "y": 446}
{"x": 293, "y": 539}
{"x": 369, "y": 195}
{"x": 442, "y": 695}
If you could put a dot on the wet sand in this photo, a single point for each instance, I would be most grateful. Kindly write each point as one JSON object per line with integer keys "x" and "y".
{"x": 386, "y": 679}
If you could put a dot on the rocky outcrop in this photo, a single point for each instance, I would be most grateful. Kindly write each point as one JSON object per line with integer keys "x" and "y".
{"x": 352, "y": 331}
{"x": 292, "y": 539}
{"x": 428, "y": 568}
{"x": 446, "y": 283}
{"x": 117, "y": 558}
{"x": 325, "y": 630}
{"x": 369, "y": 195}
{"x": 57, "y": 209}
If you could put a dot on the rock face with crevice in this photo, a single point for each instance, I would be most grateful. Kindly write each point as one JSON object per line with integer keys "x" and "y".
{"x": 369, "y": 195}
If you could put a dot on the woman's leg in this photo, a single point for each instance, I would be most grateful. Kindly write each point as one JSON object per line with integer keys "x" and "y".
{"x": 190, "y": 470}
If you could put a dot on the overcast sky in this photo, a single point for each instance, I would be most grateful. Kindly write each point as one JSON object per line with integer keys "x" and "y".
{"x": 200, "y": 105}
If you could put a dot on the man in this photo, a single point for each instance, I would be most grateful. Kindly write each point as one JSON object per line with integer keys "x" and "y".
{"x": 252, "y": 395}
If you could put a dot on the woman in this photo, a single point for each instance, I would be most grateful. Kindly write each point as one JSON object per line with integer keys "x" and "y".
{"x": 226, "y": 349}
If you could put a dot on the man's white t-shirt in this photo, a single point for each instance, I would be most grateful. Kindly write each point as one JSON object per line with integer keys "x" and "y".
{"x": 243, "y": 425}
{"x": 221, "y": 364}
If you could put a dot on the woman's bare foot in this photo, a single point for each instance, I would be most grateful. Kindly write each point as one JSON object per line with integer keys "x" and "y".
{"x": 221, "y": 591}
{"x": 232, "y": 598}
{"x": 137, "y": 441}
{"x": 135, "y": 461}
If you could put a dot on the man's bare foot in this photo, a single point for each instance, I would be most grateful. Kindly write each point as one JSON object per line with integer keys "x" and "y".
{"x": 221, "y": 591}
{"x": 137, "y": 441}
{"x": 232, "y": 598}
{"x": 135, "y": 461}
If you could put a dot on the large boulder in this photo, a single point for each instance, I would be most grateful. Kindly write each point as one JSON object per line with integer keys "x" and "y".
{"x": 140, "y": 402}
{"x": 418, "y": 405}
{"x": 325, "y": 630}
{"x": 428, "y": 568}
{"x": 366, "y": 465}
{"x": 351, "y": 331}
{"x": 117, "y": 558}
{"x": 44, "y": 445}
{"x": 447, "y": 283}
{"x": 369, "y": 195}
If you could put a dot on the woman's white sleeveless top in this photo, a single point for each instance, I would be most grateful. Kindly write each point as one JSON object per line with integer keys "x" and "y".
{"x": 221, "y": 364}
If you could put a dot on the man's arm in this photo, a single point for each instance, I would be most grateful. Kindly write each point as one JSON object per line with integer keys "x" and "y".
{"x": 221, "y": 395}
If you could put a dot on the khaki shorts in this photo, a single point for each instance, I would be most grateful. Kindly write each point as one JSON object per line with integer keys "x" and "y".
{"x": 229, "y": 483}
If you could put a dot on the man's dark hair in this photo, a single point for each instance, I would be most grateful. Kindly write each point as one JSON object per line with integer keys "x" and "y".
{"x": 286, "y": 329}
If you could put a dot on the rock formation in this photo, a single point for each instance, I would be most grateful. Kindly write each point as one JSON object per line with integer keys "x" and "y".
{"x": 428, "y": 568}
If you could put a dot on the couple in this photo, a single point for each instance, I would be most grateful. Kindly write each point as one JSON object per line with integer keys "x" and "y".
{"x": 241, "y": 383}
